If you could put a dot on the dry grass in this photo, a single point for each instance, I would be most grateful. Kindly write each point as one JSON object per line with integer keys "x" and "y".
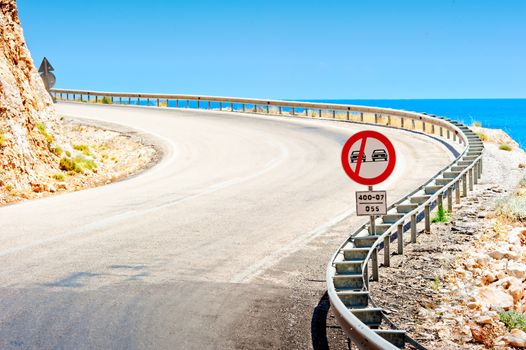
{"x": 513, "y": 207}
{"x": 505, "y": 148}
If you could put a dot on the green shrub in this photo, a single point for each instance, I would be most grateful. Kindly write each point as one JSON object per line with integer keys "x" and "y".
{"x": 505, "y": 147}
{"x": 57, "y": 151}
{"x": 68, "y": 153}
{"x": 482, "y": 136}
{"x": 476, "y": 123}
{"x": 85, "y": 163}
{"x": 58, "y": 176}
{"x": 513, "y": 320}
{"x": 68, "y": 164}
{"x": 441, "y": 216}
{"x": 42, "y": 128}
{"x": 83, "y": 148}
{"x": 106, "y": 100}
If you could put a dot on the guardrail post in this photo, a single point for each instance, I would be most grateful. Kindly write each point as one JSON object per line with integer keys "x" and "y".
{"x": 454, "y": 137}
{"x": 306, "y": 112}
{"x": 268, "y": 109}
{"x": 423, "y": 126}
{"x": 348, "y": 115}
{"x": 148, "y": 101}
{"x": 366, "y": 275}
{"x": 280, "y": 110}
{"x": 376, "y": 118}
{"x": 198, "y": 103}
{"x": 441, "y": 132}
{"x": 333, "y": 114}
{"x": 292, "y": 110}
{"x": 96, "y": 98}
{"x": 413, "y": 228}
{"x": 120, "y": 99}
{"x": 220, "y": 105}
{"x": 243, "y": 107}
{"x": 400, "y": 238}
{"x": 319, "y": 113}
{"x": 433, "y": 129}
{"x": 374, "y": 258}
{"x": 402, "y": 120}
{"x": 209, "y": 105}
{"x": 464, "y": 185}
{"x": 413, "y": 124}
{"x": 471, "y": 181}
{"x": 187, "y": 103}
{"x": 129, "y": 100}
{"x": 427, "y": 216}
{"x": 387, "y": 241}
{"x": 157, "y": 102}
{"x": 440, "y": 201}
{"x": 138, "y": 101}
{"x": 361, "y": 116}
{"x": 389, "y": 120}
{"x": 448, "y": 134}
{"x": 232, "y": 106}
{"x": 450, "y": 199}
{"x": 457, "y": 192}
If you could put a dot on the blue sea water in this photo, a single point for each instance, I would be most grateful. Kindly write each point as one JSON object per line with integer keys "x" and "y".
{"x": 506, "y": 114}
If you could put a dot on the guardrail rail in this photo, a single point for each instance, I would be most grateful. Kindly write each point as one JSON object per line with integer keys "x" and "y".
{"x": 355, "y": 263}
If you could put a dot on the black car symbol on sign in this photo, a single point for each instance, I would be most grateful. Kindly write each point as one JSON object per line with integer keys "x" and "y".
{"x": 379, "y": 154}
{"x": 354, "y": 156}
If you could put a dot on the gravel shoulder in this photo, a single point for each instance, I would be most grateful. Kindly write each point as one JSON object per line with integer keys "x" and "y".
{"x": 106, "y": 152}
{"x": 413, "y": 289}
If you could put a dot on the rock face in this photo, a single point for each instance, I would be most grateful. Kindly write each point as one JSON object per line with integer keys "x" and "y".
{"x": 29, "y": 127}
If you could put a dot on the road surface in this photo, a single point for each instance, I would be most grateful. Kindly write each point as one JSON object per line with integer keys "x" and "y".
{"x": 223, "y": 244}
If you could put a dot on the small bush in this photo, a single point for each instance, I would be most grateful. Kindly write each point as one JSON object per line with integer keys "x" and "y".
{"x": 513, "y": 319}
{"x": 68, "y": 153}
{"x": 106, "y": 100}
{"x": 2, "y": 139}
{"x": 57, "y": 151}
{"x": 476, "y": 124}
{"x": 436, "y": 283}
{"x": 482, "y": 136}
{"x": 512, "y": 207}
{"x": 42, "y": 128}
{"x": 441, "y": 216}
{"x": 505, "y": 147}
{"x": 68, "y": 164}
{"x": 85, "y": 163}
{"x": 9, "y": 187}
{"x": 83, "y": 148}
{"x": 58, "y": 176}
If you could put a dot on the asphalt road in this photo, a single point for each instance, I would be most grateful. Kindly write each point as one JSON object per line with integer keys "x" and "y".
{"x": 223, "y": 244}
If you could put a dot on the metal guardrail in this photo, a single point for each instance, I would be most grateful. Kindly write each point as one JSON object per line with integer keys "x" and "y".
{"x": 348, "y": 273}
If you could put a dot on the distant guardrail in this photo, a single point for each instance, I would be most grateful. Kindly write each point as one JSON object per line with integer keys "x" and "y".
{"x": 355, "y": 263}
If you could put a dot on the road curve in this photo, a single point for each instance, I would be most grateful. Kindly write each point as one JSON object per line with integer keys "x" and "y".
{"x": 198, "y": 252}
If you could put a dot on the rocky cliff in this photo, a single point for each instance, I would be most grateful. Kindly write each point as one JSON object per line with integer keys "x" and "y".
{"x": 29, "y": 126}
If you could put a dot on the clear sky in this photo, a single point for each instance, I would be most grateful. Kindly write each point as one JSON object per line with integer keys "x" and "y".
{"x": 284, "y": 49}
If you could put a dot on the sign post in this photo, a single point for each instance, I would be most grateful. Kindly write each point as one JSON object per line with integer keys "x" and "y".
{"x": 369, "y": 158}
{"x": 45, "y": 72}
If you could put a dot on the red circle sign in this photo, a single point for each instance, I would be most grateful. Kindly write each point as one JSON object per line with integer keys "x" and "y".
{"x": 368, "y": 157}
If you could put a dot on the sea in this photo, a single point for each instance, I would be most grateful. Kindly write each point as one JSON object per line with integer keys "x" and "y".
{"x": 506, "y": 114}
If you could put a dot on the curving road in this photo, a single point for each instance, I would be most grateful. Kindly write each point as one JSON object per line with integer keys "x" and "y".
{"x": 221, "y": 245}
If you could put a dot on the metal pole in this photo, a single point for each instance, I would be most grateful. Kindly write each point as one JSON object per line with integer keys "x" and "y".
{"x": 427, "y": 215}
{"x": 464, "y": 185}
{"x": 387, "y": 241}
{"x": 374, "y": 257}
{"x": 400, "y": 238}
{"x": 450, "y": 199}
{"x": 413, "y": 228}
{"x": 371, "y": 219}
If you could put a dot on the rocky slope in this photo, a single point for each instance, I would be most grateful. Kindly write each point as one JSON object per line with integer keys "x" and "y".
{"x": 29, "y": 126}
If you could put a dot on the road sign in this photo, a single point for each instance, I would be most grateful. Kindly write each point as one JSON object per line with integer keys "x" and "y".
{"x": 45, "y": 72}
{"x": 371, "y": 203}
{"x": 368, "y": 157}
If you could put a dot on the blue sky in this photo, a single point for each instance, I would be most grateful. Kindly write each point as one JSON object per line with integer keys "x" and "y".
{"x": 284, "y": 49}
